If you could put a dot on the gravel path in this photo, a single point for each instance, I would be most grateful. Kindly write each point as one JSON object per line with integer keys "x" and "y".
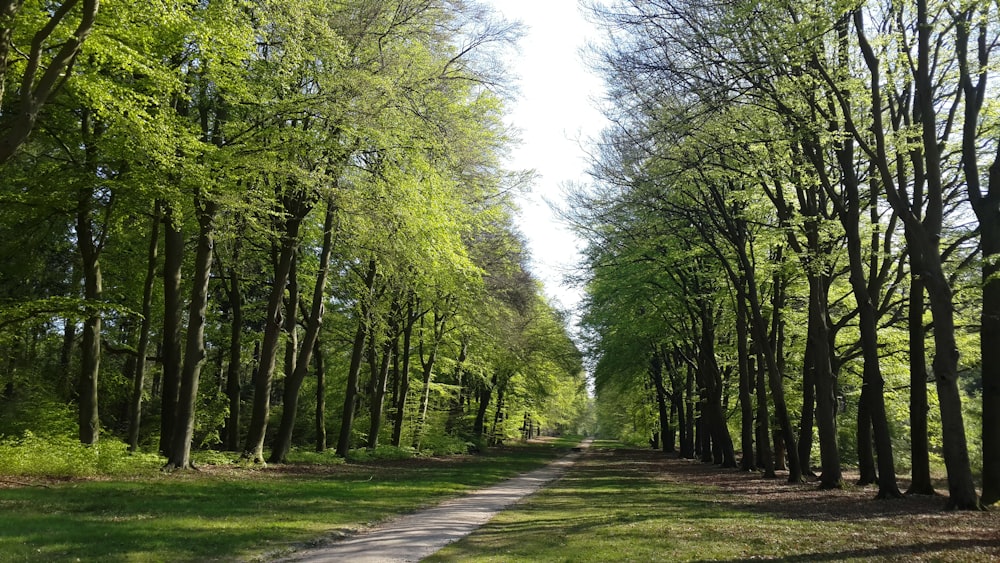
{"x": 418, "y": 535}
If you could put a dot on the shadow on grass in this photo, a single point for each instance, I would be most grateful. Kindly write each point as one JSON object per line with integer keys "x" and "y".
{"x": 638, "y": 505}
{"x": 235, "y": 513}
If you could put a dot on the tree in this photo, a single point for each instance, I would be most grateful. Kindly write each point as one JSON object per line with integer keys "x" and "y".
{"x": 47, "y": 60}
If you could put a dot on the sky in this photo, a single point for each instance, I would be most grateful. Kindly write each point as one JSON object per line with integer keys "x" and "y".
{"x": 556, "y": 114}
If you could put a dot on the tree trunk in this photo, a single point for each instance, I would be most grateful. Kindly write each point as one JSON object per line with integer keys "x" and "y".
{"x": 173, "y": 258}
{"x": 90, "y": 347}
{"x": 320, "y": 399}
{"x": 722, "y": 443}
{"x": 231, "y": 432}
{"x": 380, "y": 375}
{"x": 746, "y": 378}
{"x": 989, "y": 342}
{"x": 656, "y": 374}
{"x": 826, "y": 391}
{"x": 774, "y": 375}
{"x": 404, "y": 377}
{"x": 194, "y": 352}
{"x": 425, "y": 395}
{"x": 765, "y": 458}
{"x": 485, "y": 395}
{"x": 808, "y": 407}
{"x": 139, "y": 377}
{"x": 961, "y": 488}
{"x": 291, "y": 331}
{"x": 437, "y": 333}
{"x": 688, "y": 439}
{"x": 920, "y": 470}
{"x": 357, "y": 354}
{"x": 866, "y": 456}
{"x": 254, "y": 447}
{"x": 300, "y": 365}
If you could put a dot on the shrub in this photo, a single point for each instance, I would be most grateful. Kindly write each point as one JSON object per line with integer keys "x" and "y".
{"x": 62, "y": 456}
{"x": 381, "y": 453}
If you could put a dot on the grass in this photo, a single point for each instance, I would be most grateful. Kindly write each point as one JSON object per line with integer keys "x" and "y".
{"x": 232, "y": 513}
{"x": 636, "y": 505}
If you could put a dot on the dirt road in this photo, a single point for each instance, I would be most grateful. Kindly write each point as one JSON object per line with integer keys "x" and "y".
{"x": 418, "y": 535}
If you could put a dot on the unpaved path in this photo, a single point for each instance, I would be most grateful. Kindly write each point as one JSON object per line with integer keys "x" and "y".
{"x": 418, "y": 535}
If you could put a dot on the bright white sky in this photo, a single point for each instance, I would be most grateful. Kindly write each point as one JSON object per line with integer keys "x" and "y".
{"x": 557, "y": 115}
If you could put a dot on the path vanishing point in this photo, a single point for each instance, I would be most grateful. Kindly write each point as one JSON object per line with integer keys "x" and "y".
{"x": 420, "y": 534}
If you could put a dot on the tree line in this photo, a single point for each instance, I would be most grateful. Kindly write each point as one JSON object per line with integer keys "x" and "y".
{"x": 240, "y": 223}
{"x": 793, "y": 234}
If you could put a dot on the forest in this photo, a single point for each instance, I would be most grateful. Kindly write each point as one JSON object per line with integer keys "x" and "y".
{"x": 267, "y": 226}
{"x": 260, "y": 228}
{"x": 793, "y": 238}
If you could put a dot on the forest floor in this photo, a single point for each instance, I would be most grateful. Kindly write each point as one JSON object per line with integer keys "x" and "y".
{"x": 639, "y": 505}
{"x": 611, "y": 504}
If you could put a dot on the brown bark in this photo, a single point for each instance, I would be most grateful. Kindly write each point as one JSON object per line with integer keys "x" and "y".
{"x": 296, "y": 209}
{"x": 320, "y": 399}
{"x": 380, "y": 377}
{"x": 357, "y": 355}
{"x": 139, "y": 376}
{"x": 427, "y": 370}
{"x": 194, "y": 350}
{"x": 231, "y": 432}
{"x": 399, "y": 399}
{"x": 293, "y": 381}
{"x": 173, "y": 256}
{"x": 38, "y": 83}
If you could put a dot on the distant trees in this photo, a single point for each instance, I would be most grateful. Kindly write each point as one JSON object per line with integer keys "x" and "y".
{"x": 222, "y": 184}
{"x": 811, "y": 168}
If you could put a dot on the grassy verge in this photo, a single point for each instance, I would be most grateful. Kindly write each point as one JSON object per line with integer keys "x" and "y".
{"x": 231, "y": 513}
{"x": 633, "y": 505}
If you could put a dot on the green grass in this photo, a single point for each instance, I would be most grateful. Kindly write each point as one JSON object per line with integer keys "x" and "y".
{"x": 235, "y": 513}
{"x": 626, "y": 506}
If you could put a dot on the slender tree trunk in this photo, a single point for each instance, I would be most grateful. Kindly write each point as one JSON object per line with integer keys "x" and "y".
{"x": 498, "y": 415}
{"x": 173, "y": 257}
{"x": 773, "y": 375}
{"x": 485, "y": 395}
{"x": 920, "y": 471}
{"x": 656, "y": 374}
{"x": 254, "y": 447}
{"x": 746, "y": 378}
{"x": 456, "y": 411}
{"x": 974, "y": 22}
{"x": 291, "y": 331}
{"x": 380, "y": 374}
{"x": 808, "y": 407}
{"x": 873, "y": 385}
{"x": 826, "y": 400}
{"x": 300, "y": 365}
{"x": 425, "y": 395}
{"x": 139, "y": 377}
{"x": 437, "y": 332}
{"x": 722, "y": 443}
{"x": 765, "y": 458}
{"x": 320, "y": 399}
{"x": 90, "y": 348}
{"x": 194, "y": 353}
{"x": 357, "y": 355}
{"x": 404, "y": 377}
{"x": 688, "y": 439}
{"x": 231, "y": 431}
